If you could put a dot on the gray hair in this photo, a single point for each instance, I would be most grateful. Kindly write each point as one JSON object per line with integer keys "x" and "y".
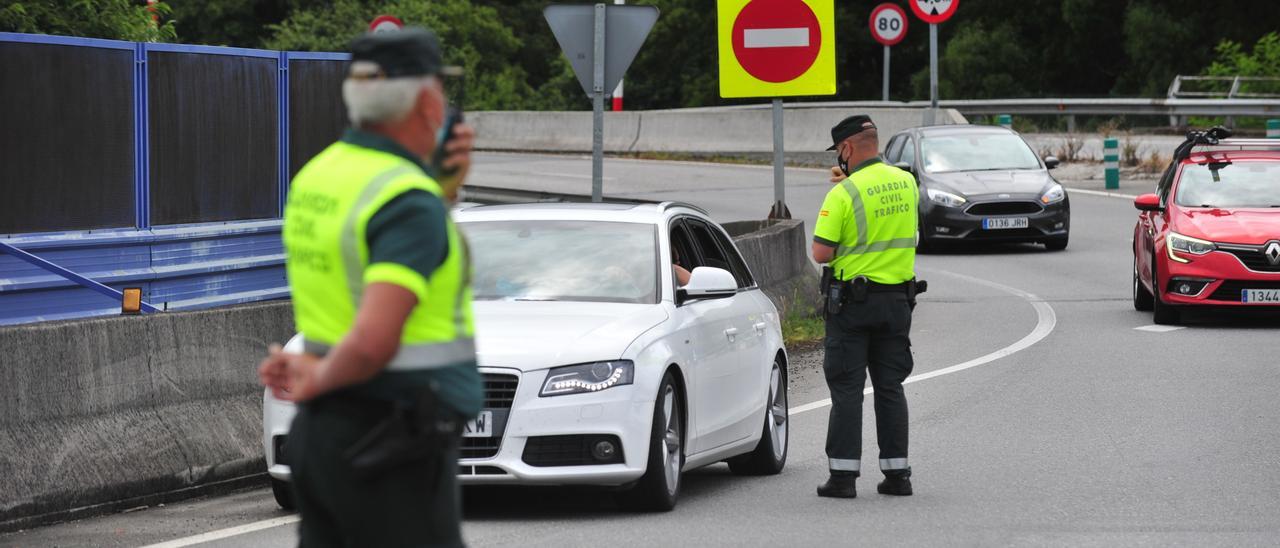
{"x": 375, "y": 100}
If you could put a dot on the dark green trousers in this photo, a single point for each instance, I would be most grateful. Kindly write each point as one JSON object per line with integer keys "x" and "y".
{"x": 873, "y": 337}
{"x": 413, "y": 505}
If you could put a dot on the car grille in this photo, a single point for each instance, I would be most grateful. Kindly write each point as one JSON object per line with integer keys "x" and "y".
{"x": 1029, "y": 233}
{"x": 1230, "y": 289}
{"x": 1253, "y": 258}
{"x": 1004, "y": 208}
{"x": 573, "y": 450}
{"x": 499, "y": 393}
{"x": 499, "y": 390}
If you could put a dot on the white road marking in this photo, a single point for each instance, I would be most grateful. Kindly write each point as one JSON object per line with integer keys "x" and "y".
{"x": 1046, "y": 320}
{"x": 1101, "y": 193}
{"x": 776, "y": 38}
{"x": 228, "y": 532}
{"x": 1159, "y": 328}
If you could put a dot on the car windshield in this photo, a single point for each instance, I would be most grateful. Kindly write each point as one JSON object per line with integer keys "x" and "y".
{"x": 1239, "y": 184}
{"x": 563, "y": 261}
{"x": 976, "y": 152}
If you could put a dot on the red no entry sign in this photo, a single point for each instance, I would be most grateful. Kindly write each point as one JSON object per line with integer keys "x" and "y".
{"x": 385, "y": 23}
{"x": 934, "y": 11}
{"x": 888, "y": 24}
{"x": 776, "y": 40}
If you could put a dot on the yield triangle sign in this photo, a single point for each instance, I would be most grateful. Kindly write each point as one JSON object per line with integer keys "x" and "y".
{"x": 625, "y": 29}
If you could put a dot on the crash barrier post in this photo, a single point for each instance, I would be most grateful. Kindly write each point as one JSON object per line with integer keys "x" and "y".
{"x": 1273, "y": 128}
{"x": 1005, "y": 121}
{"x": 1111, "y": 162}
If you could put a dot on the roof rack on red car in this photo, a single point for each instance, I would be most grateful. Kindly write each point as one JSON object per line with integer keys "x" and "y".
{"x": 1269, "y": 145}
{"x": 1197, "y": 138}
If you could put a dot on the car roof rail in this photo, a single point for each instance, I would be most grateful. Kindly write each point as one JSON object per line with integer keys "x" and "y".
{"x": 1270, "y": 145}
{"x": 1198, "y": 138}
{"x": 670, "y": 205}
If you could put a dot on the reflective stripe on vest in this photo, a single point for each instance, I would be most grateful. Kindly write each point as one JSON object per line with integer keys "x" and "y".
{"x": 861, "y": 247}
{"x": 416, "y": 357}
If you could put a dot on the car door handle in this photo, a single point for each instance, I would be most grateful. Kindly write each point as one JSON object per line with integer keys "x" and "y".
{"x": 731, "y": 333}
{"x": 760, "y": 327}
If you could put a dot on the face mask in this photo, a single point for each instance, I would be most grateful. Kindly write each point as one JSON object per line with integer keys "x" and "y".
{"x": 843, "y": 163}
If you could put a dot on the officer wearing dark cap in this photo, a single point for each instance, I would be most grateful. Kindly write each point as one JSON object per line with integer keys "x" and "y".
{"x": 866, "y": 235}
{"x": 381, "y": 296}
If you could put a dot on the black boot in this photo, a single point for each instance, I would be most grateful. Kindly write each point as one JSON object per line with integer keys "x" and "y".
{"x": 896, "y": 483}
{"x": 840, "y": 486}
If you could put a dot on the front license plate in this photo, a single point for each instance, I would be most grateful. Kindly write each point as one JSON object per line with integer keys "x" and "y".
{"x": 479, "y": 427}
{"x": 1271, "y": 296}
{"x": 1003, "y": 223}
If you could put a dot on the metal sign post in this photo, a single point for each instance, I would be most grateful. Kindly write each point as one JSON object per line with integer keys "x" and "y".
{"x": 884, "y": 95}
{"x": 600, "y": 41}
{"x": 779, "y": 210}
{"x": 932, "y": 117}
{"x": 933, "y": 12}
{"x": 597, "y": 108}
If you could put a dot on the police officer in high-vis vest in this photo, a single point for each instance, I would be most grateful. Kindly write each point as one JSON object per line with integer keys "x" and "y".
{"x": 866, "y": 234}
{"x": 379, "y": 276}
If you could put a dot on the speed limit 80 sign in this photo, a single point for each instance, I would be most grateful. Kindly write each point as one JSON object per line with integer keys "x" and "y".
{"x": 888, "y": 24}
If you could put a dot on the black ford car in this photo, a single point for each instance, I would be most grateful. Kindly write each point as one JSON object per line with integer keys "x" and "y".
{"x": 982, "y": 184}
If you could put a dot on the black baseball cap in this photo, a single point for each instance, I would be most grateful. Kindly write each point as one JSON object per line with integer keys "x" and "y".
{"x": 849, "y": 127}
{"x": 411, "y": 51}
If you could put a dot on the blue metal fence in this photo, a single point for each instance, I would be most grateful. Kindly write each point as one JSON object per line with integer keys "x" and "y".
{"x": 183, "y": 266}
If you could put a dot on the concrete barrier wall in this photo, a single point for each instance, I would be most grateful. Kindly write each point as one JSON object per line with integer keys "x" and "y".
{"x": 101, "y": 410}
{"x": 97, "y": 411}
{"x": 681, "y": 130}
{"x": 776, "y": 252}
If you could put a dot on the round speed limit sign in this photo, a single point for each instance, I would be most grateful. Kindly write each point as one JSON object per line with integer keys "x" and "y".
{"x": 888, "y": 24}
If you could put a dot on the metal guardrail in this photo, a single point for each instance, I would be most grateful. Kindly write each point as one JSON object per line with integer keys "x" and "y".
{"x": 69, "y": 274}
{"x": 1176, "y": 91}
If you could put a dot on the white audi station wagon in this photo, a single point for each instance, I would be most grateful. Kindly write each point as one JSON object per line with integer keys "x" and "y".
{"x": 598, "y": 368}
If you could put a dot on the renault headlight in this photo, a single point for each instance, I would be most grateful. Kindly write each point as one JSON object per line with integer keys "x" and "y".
{"x": 1188, "y": 245}
{"x": 588, "y": 377}
{"x": 1055, "y": 194}
{"x": 945, "y": 198}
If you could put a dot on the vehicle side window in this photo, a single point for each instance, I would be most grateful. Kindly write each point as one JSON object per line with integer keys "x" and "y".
{"x": 1165, "y": 186}
{"x": 682, "y": 250}
{"x": 739, "y": 270}
{"x": 908, "y": 152}
{"x": 893, "y": 149}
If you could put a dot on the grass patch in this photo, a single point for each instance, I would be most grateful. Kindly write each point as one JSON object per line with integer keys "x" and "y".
{"x": 800, "y": 330}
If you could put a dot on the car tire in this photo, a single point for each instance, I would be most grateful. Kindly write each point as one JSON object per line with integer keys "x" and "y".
{"x": 1142, "y": 300}
{"x": 283, "y": 493}
{"x": 659, "y": 487}
{"x": 1161, "y": 313}
{"x": 1056, "y": 244}
{"x": 770, "y": 455}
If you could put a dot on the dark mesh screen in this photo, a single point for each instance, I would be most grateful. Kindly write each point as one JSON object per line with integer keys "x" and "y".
{"x": 316, "y": 114}
{"x": 66, "y": 147}
{"x": 213, "y": 138}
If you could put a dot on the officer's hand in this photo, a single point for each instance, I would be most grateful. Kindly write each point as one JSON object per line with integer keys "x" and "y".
{"x": 272, "y": 369}
{"x": 837, "y": 174}
{"x": 458, "y": 156}
{"x": 302, "y": 378}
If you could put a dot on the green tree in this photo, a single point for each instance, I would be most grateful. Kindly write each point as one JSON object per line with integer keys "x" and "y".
{"x": 237, "y": 23}
{"x": 1263, "y": 61}
{"x": 110, "y": 19}
{"x": 981, "y": 63}
{"x": 473, "y": 37}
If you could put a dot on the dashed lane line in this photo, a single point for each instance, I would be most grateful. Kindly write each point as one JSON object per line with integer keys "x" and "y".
{"x": 1159, "y": 328}
{"x": 228, "y": 532}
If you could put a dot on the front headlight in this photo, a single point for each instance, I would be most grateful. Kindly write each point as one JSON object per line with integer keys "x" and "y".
{"x": 1055, "y": 194}
{"x": 945, "y": 198}
{"x": 587, "y": 377}
{"x": 1188, "y": 245}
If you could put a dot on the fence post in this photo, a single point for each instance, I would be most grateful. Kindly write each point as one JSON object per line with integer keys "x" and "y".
{"x": 1111, "y": 161}
{"x": 1273, "y": 128}
{"x": 1005, "y": 121}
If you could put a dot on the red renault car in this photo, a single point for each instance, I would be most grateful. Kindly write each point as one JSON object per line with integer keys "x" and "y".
{"x": 1210, "y": 235}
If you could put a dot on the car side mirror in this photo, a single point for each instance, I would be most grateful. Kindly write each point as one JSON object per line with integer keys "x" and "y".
{"x": 1148, "y": 202}
{"x": 904, "y": 166}
{"x": 707, "y": 282}
{"x": 1051, "y": 162}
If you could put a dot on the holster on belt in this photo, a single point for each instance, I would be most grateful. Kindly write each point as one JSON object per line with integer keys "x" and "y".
{"x": 916, "y": 287}
{"x": 417, "y": 431}
{"x": 832, "y": 293}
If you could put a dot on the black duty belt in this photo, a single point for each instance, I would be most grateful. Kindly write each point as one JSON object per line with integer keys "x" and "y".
{"x": 876, "y": 287}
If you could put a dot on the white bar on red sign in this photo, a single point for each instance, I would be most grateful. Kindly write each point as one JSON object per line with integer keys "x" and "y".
{"x": 776, "y": 38}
